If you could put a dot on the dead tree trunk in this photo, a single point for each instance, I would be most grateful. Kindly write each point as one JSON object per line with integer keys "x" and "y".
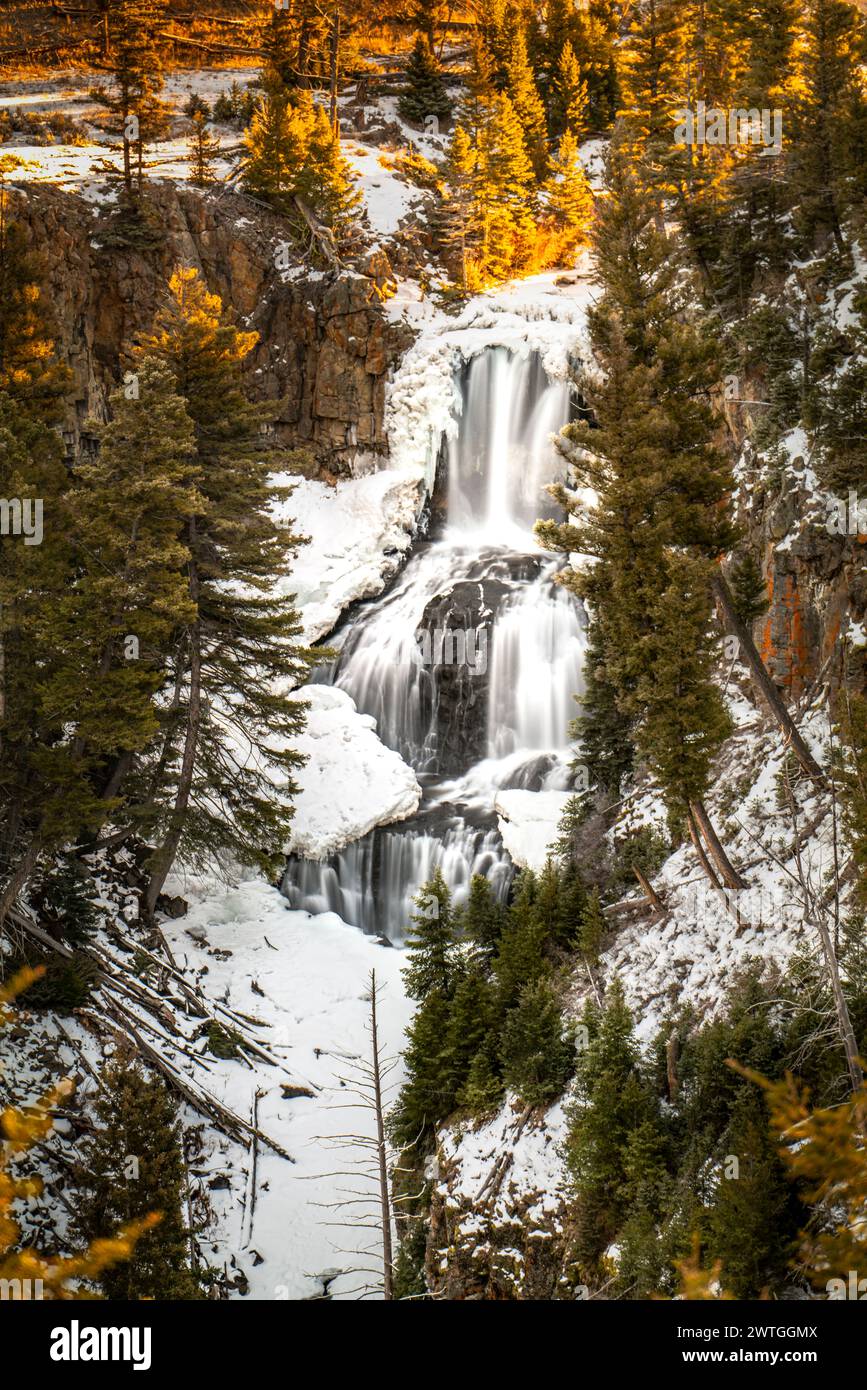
{"x": 762, "y": 679}
{"x": 706, "y": 865}
{"x": 649, "y": 890}
{"x": 381, "y": 1150}
{"x": 165, "y": 855}
{"x": 729, "y": 874}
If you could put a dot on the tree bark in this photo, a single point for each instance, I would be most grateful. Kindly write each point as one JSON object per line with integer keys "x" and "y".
{"x": 164, "y": 857}
{"x": 381, "y": 1151}
{"x": 699, "y": 849}
{"x": 729, "y": 874}
{"x": 762, "y": 679}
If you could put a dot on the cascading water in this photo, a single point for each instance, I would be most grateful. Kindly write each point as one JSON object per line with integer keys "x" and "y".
{"x": 469, "y": 663}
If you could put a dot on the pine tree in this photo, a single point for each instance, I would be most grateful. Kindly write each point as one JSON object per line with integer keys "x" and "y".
{"x": 232, "y": 662}
{"x": 470, "y": 1018}
{"x": 527, "y": 104}
{"x": 118, "y": 620}
{"x": 749, "y": 589}
{"x": 425, "y": 94}
{"x": 684, "y": 721}
{"x": 136, "y": 66}
{"x": 430, "y": 943}
{"x": 830, "y": 113}
{"x": 612, "y": 1102}
{"x": 592, "y": 929}
{"x": 204, "y": 149}
{"x": 521, "y": 956}
{"x": 483, "y": 1089}
{"x": 536, "y": 1052}
{"x": 504, "y": 189}
{"x": 132, "y": 1167}
{"x": 461, "y": 227}
{"x": 483, "y": 919}
{"x": 751, "y": 1226}
{"x": 293, "y": 155}
{"x": 427, "y": 1095}
{"x": 569, "y": 200}
{"x": 570, "y": 105}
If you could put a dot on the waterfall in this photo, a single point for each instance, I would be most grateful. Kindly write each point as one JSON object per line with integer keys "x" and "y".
{"x": 502, "y": 455}
{"x": 497, "y": 716}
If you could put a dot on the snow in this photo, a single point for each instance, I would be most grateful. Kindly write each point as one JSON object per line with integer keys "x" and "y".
{"x": 534, "y": 1185}
{"x": 387, "y": 198}
{"x": 528, "y": 824}
{"x": 312, "y": 974}
{"x": 351, "y": 782}
{"x": 359, "y": 529}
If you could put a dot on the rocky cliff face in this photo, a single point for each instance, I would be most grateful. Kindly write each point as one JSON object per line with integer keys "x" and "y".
{"x": 325, "y": 344}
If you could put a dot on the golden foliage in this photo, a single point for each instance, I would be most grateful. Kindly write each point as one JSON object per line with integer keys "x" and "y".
{"x": 55, "y": 1277}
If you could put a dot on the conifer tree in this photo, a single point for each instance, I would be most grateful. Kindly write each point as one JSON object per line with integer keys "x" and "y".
{"x": 233, "y": 661}
{"x": 527, "y": 104}
{"x": 613, "y": 1101}
{"x": 425, "y": 94}
{"x": 504, "y": 188}
{"x": 293, "y": 156}
{"x": 569, "y": 199}
{"x": 134, "y": 1166}
{"x": 427, "y": 1095}
{"x": 749, "y": 589}
{"x": 569, "y": 107}
{"x": 117, "y": 622}
{"x": 536, "y": 1052}
{"x": 830, "y": 114}
{"x": 430, "y": 943}
{"x": 751, "y": 1225}
{"x": 483, "y": 919}
{"x": 204, "y": 149}
{"x": 136, "y": 66}
{"x": 683, "y": 722}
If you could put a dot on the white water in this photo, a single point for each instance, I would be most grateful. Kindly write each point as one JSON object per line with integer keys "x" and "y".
{"x": 498, "y": 464}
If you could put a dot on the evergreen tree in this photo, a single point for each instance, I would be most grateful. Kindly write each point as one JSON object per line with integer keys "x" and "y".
{"x": 592, "y": 929}
{"x": 427, "y": 1095}
{"x": 204, "y": 149}
{"x": 751, "y": 1226}
{"x": 749, "y": 589}
{"x": 425, "y": 94}
{"x": 118, "y": 619}
{"x": 234, "y": 660}
{"x": 569, "y": 108}
{"x": 430, "y": 943}
{"x": 612, "y": 1102}
{"x": 293, "y": 156}
{"x": 134, "y": 1166}
{"x": 830, "y": 113}
{"x": 483, "y": 1088}
{"x": 536, "y": 1052}
{"x": 684, "y": 721}
{"x": 483, "y": 919}
{"x": 470, "y": 1017}
{"x": 521, "y": 956}
{"x": 527, "y": 104}
{"x": 136, "y": 65}
{"x": 569, "y": 199}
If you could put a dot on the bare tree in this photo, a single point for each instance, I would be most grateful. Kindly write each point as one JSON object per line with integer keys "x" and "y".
{"x": 367, "y": 1204}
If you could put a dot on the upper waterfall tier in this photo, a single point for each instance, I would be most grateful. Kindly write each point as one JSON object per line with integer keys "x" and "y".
{"x": 502, "y": 455}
